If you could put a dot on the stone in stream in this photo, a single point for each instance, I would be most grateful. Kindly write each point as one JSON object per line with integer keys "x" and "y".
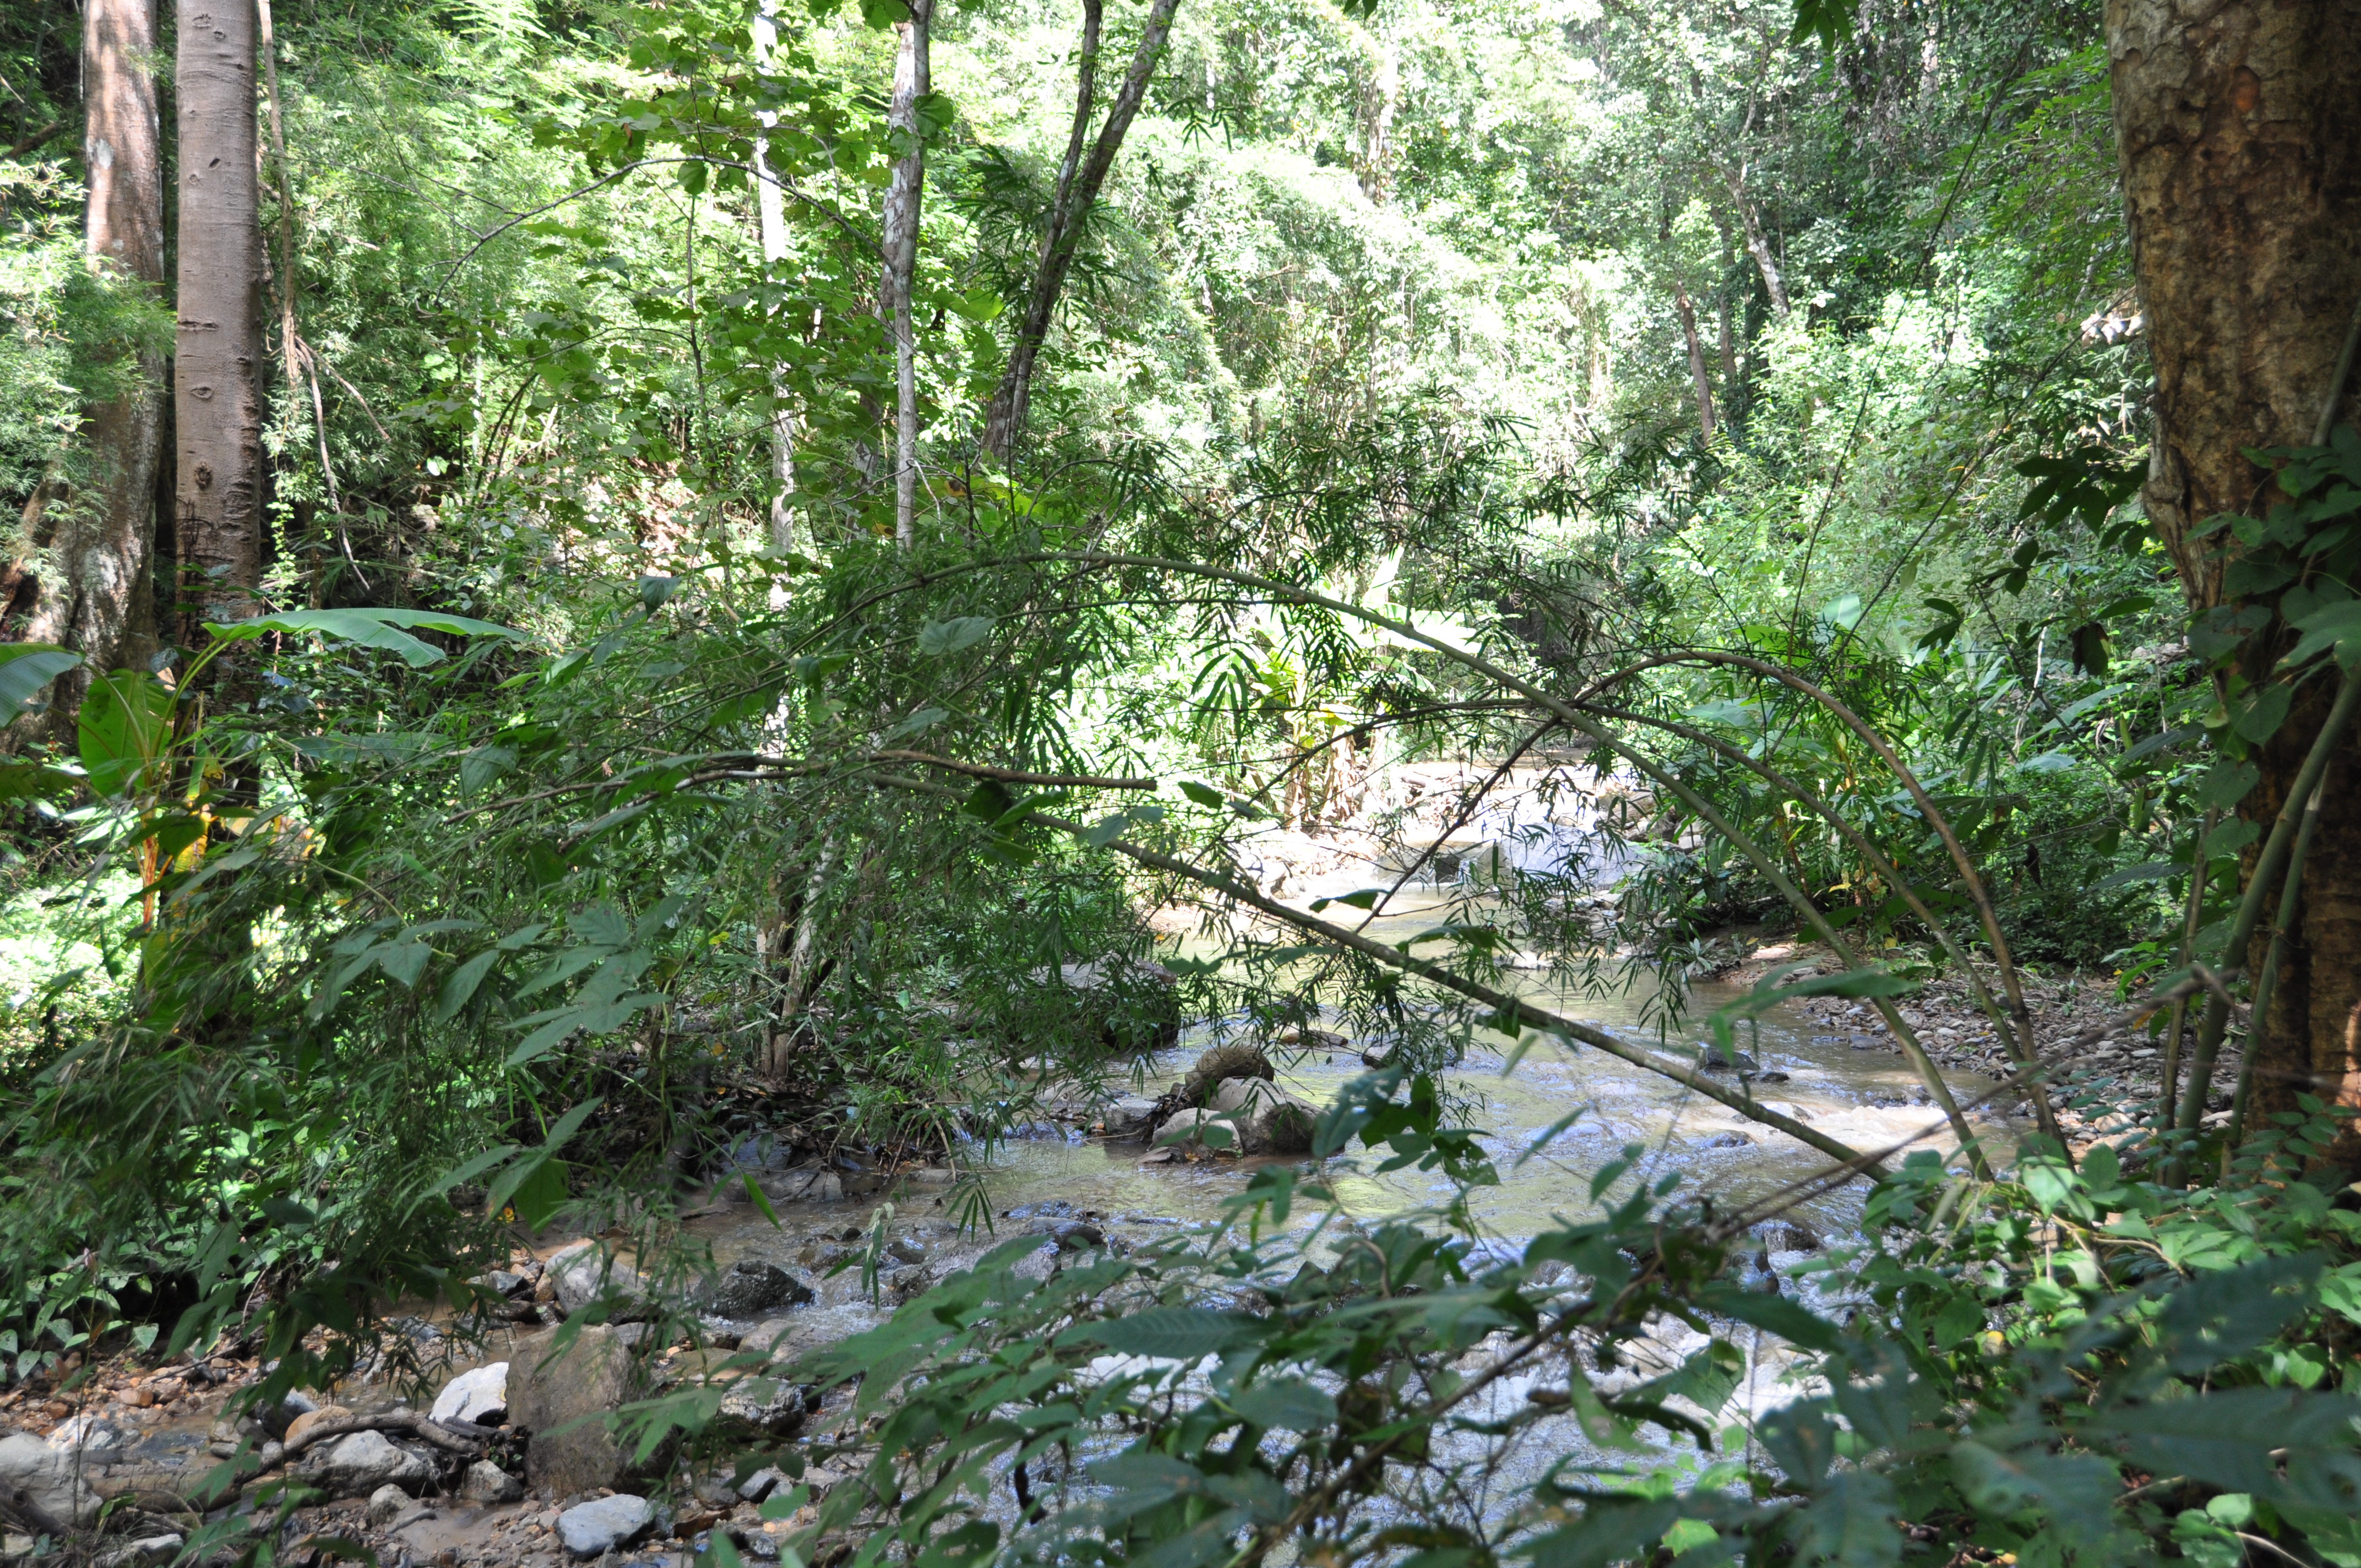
{"x": 280, "y": 1419}
{"x": 584, "y": 1273}
{"x": 565, "y": 1405}
{"x": 767, "y": 1405}
{"x": 87, "y": 1433}
{"x": 1239, "y": 1059}
{"x": 479, "y": 1395}
{"x": 751, "y": 1286}
{"x": 809, "y": 1184}
{"x": 485, "y": 1482}
{"x": 1378, "y": 1055}
{"x": 1200, "y": 1128}
{"x": 385, "y": 1505}
{"x": 300, "y": 1427}
{"x": 596, "y": 1528}
{"x": 502, "y": 1283}
{"x": 361, "y": 1463}
{"x": 1715, "y": 1060}
{"x": 1132, "y": 1113}
{"x": 762, "y": 1483}
{"x": 50, "y": 1479}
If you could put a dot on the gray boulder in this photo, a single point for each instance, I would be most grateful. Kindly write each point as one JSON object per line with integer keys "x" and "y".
{"x": 751, "y": 1286}
{"x": 808, "y": 1185}
{"x": 276, "y": 1420}
{"x": 596, "y": 1527}
{"x": 1200, "y": 1128}
{"x": 1130, "y": 1115}
{"x": 385, "y": 1505}
{"x": 1282, "y": 1124}
{"x": 479, "y": 1394}
{"x": 48, "y": 1479}
{"x": 588, "y": 1273}
{"x": 87, "y": 1433}
{"x": 565, "y": 1405}
{"x": 762, "y": 1483}
{"x": 485, "y": 1482}
{"x": 765, "y": 1404}
{"x": 361, "y": 1463}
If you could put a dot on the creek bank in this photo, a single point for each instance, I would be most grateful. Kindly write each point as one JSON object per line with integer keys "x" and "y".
{"x": 2123, "y": 1071}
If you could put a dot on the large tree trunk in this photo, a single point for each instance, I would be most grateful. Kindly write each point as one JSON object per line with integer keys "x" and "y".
{"x": 217, "y": 403}
{"x": 2239, "y": 131}
{"x": 903, "y": 199}
{"x": 1079, "y": 182}
{"x": 97, "y": 600}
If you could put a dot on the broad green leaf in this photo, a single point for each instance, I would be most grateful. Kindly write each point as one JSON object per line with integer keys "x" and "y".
{"x": 1287, "y": 1404}
{"x": 571, "y": 1122}
{"x": 1203, "y": 794}
{"x": 404, "y": 961}
{"x": 460, "y": 988}
{"x": 367, "y": 629}
{"x": 1774, "y": 1314}
{"x": 24, "y": 669}
{"x": 2224, "y": 785}
{"x": 125, "y": 730}
{"x": 949, "y": 636}
{"x": 1172, "y": 1333}
{"x": 2259, "y": 715}
{"x": 30, "y": 781}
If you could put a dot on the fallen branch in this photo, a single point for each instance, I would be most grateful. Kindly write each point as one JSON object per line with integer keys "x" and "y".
{"x": 464, "y": 1438}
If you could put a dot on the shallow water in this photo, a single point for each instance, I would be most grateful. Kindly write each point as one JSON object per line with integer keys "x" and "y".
{"x": 1852, "y": 1086}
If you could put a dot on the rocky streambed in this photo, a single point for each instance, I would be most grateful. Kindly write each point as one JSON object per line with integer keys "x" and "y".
{"x": 536, "y": 1477}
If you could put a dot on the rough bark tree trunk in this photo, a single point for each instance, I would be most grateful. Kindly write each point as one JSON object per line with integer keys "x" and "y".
{"x": 1698, "y": 370}
{"x": 904, "y": 200}
{"x": 1079, "y": 181}
{"x": 2238, "y": 129}
{"x": 217, "y": 403}
{"x": 96, "y": 601}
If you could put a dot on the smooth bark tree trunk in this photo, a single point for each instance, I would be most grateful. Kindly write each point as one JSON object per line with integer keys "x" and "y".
{"x": 96, "y": 600}
{"x": 2238, "y": 128}
{"x": 1079, "y": 178}
{"x": 903, "y": 201}
{"x": 217, "y": 401}
{"x": 771, "y": 223}
{"x": 1758, "y": 244}
{"x": 1697, "y": 371}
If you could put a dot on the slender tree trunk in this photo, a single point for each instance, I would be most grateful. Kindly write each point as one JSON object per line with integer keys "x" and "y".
{"x": 1758, "y": 244}
{"x": 217, "y": 403}
{"x": 770, "y": 221}
{"x": 2238, "y": 128}
{"x": 1080, "y": 180}
{"x": 97, "y": 601}
{"x": 1697, "y": 371}
{"x": 904, "y": 200}
{"x": 1379, "y": 101}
